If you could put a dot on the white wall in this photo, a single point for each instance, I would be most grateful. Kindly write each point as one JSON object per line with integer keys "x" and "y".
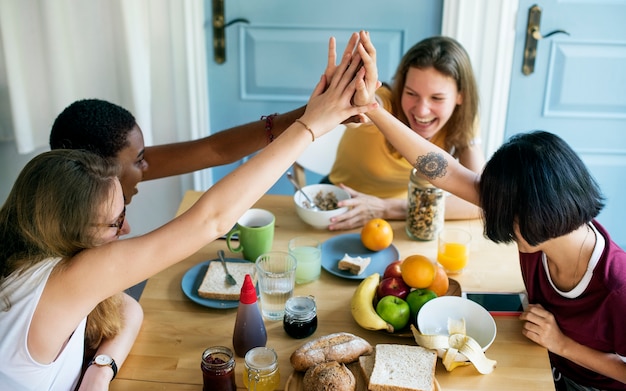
{"x": 165, "y": 115}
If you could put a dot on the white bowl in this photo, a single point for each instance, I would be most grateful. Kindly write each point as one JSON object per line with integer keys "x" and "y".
{"x": 319, "y": 219}
{"x": 433, "y": 317}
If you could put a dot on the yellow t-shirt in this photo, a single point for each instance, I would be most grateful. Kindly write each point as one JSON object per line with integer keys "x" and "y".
{"x": 365, "y": 163}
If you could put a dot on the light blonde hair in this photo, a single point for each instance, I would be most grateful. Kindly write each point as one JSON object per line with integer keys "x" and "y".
{"x": 50, "y": 213}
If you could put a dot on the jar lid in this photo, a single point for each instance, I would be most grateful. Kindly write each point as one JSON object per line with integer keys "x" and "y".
{"x": 420, "y": 180}
{"x": 300, "y": 307}
{"x": 261, "y": 358}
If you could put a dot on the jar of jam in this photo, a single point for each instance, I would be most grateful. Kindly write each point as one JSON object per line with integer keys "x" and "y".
{"x": 261, "y": 369}
{"x": 426, "y": 214}
{"x": 218, "y": 369}
{"x": 300, "y": 318}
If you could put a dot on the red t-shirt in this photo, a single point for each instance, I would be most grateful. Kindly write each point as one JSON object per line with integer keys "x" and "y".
{"x": 596, "y": 318}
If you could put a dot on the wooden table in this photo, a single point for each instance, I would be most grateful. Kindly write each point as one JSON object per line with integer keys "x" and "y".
{"x": 175, "y": 331}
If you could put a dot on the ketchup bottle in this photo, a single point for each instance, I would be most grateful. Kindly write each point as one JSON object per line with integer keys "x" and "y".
{"x": 249, "y": 327}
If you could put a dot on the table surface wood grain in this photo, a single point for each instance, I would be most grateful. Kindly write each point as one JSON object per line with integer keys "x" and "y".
{"x": 175, "y": 331}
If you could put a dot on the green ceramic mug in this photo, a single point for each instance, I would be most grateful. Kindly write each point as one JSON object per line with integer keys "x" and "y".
{"x": 255, "y": 230}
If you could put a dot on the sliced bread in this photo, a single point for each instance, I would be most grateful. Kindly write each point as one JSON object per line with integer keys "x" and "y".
{"x": 214, "y": 284}
{"x": 366, "y": 363}
{"x": 403, "y": 368}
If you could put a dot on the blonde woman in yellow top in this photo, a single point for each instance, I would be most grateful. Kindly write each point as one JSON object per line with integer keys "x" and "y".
{"x": 435, "y": 94}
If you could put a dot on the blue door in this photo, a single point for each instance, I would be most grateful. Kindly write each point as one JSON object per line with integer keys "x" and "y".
{"x": 276, "y": 51}
{"x": 577, "y": 90}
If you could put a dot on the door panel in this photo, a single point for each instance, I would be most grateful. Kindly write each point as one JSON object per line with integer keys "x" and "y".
{"x": 577, "y": 91}
{"x": 265, "y": 79}
{"x": 273, "y": 62}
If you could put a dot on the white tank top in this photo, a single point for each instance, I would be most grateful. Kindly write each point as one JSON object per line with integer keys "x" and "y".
{"x": 18, "y": 370}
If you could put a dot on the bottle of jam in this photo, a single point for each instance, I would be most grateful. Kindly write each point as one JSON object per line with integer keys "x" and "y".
{"x": 249, "y": 329}
{"x": 218, "y": 369}
{"x": 300, "y": 318}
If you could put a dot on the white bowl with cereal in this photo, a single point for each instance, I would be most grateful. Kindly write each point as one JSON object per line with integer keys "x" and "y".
{"x": 326, "y": 197}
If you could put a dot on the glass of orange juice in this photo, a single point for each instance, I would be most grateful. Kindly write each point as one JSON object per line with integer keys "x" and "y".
{"x": 453, "y": 249}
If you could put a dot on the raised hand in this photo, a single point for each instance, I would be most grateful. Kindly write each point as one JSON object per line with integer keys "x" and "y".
{"x": 331, "y": 65}
{"x": 367, "y": 82}
{"x": 331, "y": 101}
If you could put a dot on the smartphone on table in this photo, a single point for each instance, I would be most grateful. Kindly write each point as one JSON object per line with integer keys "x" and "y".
{"x": 500, "y": 303}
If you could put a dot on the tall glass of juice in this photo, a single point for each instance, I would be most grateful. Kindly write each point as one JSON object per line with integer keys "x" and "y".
{"x": 308, "y": 254}
{"x": 453, "y": 249}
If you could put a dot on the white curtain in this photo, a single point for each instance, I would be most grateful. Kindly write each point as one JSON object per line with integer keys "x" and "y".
{"x": 60, "y": 51}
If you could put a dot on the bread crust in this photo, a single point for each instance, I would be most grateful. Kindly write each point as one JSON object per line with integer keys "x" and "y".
{"x": 327, "y": 376}
{"x": 341, "y": 347}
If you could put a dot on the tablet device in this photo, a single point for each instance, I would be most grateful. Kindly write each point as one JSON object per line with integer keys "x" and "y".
{"x": 507, "y": 303}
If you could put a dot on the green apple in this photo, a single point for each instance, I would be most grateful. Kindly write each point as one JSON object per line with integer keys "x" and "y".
{"x": 394, "y": 311}
{"x": 416, "y": 299}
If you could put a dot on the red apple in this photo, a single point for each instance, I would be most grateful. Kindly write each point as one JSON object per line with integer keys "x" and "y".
{"x": 393, "y": 270}
{"x": 392, "y": 286}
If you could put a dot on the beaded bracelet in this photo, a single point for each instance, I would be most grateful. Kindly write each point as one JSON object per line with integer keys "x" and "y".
{"x": 307, "y": 128}
{"x": 269, "y": 123}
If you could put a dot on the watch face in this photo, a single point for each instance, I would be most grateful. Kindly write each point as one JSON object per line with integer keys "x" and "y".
{"x": 103, "y": 359}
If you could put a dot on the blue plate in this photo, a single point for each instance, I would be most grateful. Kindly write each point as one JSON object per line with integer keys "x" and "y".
{"x": 336, "y": 247}
{"x": 193, "y": 278}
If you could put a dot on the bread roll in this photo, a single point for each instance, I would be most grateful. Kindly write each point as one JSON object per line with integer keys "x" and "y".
{"x": 329, "y": 375}
{"x": 341, "y": 347}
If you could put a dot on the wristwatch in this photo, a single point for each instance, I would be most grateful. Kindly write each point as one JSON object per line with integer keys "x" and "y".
{"x": 104, "y": 360}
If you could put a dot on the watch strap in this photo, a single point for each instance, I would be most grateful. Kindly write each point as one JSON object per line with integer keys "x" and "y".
{"x": 112, "y": 364}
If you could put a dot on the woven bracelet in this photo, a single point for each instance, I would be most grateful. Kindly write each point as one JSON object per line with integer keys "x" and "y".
{"x": 269, "y": 123}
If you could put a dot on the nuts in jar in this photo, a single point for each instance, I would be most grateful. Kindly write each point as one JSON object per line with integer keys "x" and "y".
{"x": 425, "y": 216}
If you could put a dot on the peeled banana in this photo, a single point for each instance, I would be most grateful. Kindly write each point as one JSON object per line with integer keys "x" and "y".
{"x": 457, "y": 342}
{"x": 362, "y": 306}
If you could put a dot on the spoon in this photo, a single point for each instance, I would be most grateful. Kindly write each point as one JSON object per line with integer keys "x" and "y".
{"x": 312, "y": 204}
{"x": 229, "y": 278}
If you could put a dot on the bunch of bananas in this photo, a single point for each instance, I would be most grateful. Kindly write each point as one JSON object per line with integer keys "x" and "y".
{"x": 362, "y": 306}
{"x": 456, "y": 342}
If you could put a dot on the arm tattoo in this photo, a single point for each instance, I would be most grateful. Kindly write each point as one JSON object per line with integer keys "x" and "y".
{"x": 432, "y": 165}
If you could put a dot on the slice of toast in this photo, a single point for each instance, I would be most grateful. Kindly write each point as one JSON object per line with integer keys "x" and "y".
{"x": 366, "y": 364}
{"x": 403, "y": 367}
{"x": 214, "y": 285}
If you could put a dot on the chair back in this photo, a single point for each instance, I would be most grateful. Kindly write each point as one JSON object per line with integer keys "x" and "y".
{"x": 319, "y": 156}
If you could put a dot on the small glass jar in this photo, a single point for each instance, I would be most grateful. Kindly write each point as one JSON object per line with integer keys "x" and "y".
{"x": 218, "y": 369}
{"x": 426, "y": 213}
{"x": 300, "y": 318}
{"x": 261, "y": 369}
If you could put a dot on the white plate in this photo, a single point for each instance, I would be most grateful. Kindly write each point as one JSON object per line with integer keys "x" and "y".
{"x": 336, "y": 247}
{"x": 193, "y": 278}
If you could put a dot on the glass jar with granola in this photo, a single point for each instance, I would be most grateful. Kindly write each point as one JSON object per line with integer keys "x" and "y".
{"x": 426, "y": 209}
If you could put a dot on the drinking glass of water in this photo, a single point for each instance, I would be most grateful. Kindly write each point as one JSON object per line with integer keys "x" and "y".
{"x": 276, "y": 271}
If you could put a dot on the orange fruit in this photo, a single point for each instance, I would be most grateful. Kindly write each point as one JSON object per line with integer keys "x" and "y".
{"x": 441, "y": 282}
{"x": 418, "y": 271}
{"x": 376, "y": 234}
